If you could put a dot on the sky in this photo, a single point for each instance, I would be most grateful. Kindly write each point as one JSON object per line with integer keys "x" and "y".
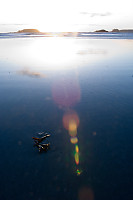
{"x": 70, "y": 15}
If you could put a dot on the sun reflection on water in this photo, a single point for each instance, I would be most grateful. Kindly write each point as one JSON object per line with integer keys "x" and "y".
{"x": 54, "y": 53}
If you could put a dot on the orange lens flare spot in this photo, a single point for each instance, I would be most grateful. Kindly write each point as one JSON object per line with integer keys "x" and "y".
{"x": 72, "y": 125}
{"x": 77, "y": 158}
{"x": 72, "y": 128}
{"x": 71, "y": 121}
{"x": 74, "y": 140}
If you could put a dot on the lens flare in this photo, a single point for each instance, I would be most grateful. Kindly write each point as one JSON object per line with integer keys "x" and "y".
{"x": 71, "y": 121}
{"x": 74, "y": 140}
{"x": 72, "y": 125}
{"x": 76, "y": 148}
{"x": 78, "y": 172}
{"x": 76, "y": 158}
{"x": 73, "y": 133}
{"x": 72, "y": 128}
{"x": 66, "y": 91}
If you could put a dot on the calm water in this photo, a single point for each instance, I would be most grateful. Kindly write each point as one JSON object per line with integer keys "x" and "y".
{"x": 45, "y": 83}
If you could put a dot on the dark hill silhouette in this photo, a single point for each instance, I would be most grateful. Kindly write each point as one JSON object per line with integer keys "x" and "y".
{"x": 29, "y": 31}
{"x": 122, "y": 31}
{"x": 115, "y": 30}
{"x": 101, "y": 31}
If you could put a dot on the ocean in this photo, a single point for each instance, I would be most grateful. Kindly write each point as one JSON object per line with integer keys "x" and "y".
{"x": 80, "y": 91}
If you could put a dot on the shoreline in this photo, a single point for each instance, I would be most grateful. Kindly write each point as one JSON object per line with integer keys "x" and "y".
{"x": 92, "y": 35}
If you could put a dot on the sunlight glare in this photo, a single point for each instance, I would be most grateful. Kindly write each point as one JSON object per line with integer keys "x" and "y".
{"x": 54, "y": 53}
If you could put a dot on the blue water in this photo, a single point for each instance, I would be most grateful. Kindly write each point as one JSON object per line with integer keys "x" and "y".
{"x": 94, "y": 35}
{"x": 95, "y": 79}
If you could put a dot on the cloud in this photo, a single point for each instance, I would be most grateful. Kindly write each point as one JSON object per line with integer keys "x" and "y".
{"x": 92, "y": 51}
{"x": 12, "y": 24}
{"x": 96, "y": 14}
{"x": 32, "y": 74}
{"x": 85, "y": 24}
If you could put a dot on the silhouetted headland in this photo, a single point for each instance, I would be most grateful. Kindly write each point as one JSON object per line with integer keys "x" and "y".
{"x": 101, "y": 31}
{"x": 36, "y": 32}
{"x": 123, "y": 30}
{"x": 114, "y": 31}
{"x": 29, "y": 31}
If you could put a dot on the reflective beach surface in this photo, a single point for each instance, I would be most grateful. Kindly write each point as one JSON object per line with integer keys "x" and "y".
{"x": 80, "y": 91}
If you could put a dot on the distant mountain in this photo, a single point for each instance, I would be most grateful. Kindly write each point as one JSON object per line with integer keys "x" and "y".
{"x": 29, "y": 31}
{"x": 101, "y": 31}
{"x": 122, "y": 31}
{"x": 115, "y": 31}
